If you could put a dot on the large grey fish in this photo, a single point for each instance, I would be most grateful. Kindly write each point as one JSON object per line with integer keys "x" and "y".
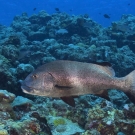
{"x": 65, "y": 79}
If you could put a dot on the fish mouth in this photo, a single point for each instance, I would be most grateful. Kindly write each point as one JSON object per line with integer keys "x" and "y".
{"x": 26, "y": 89}
{"x": 29, "y": 90}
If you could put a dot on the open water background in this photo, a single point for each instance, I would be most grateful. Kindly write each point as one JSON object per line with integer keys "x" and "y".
{"x": 95, "y": 8}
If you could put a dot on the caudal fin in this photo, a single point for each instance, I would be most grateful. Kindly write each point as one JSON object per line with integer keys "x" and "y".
{"x": 130, "y": 86}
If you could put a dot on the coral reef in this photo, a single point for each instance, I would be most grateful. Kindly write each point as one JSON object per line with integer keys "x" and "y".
{"x": 63, "y": 126}
{"x": 109, "y": 122}
{"x": 41, "y": 38}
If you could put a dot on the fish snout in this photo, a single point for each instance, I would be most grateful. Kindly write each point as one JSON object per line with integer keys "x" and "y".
{"x": 25, "y": 88}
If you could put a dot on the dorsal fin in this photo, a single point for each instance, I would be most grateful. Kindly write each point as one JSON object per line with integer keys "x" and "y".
{"x": 105, "y": 67}
{"x": 108, "y": 70}
{"x": 102, "y": 63}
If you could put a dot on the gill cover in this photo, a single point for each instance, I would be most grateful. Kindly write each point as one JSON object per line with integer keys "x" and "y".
{"x": 48, "y": 82}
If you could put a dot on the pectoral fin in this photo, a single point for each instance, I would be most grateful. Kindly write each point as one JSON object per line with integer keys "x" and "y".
{"x": 69, "y": 100}
{"x": 63, "y": 87}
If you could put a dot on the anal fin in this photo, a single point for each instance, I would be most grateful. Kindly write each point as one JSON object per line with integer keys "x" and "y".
{"x": 69, "y": 100}
{"x": 104, "y": 95}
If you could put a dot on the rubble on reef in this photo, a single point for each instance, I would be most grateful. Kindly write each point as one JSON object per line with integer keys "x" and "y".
{"x": 45, "y": 116}
{"x": 32, "y": 41}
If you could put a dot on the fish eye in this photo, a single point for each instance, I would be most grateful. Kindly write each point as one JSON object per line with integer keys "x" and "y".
{"x": 34, "y": 76}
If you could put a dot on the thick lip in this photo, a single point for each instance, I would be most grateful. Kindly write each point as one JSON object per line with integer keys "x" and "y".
{"x": 26, "y": 89}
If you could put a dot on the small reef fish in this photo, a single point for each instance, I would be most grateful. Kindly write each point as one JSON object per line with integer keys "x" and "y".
{"x": 66, "y": 79}
{"x": 106, "y": 16}
{"x": 34, "y": 9}
{"x": 57, "y": 10}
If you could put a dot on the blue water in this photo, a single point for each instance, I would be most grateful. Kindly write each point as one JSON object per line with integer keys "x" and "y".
{"x": 95, "y": 8}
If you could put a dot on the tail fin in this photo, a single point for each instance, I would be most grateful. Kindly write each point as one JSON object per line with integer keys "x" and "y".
{"x": 130, "y": 86}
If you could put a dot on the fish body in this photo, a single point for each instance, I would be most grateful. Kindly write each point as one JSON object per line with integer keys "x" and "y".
{"x": 70, "y": 78}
